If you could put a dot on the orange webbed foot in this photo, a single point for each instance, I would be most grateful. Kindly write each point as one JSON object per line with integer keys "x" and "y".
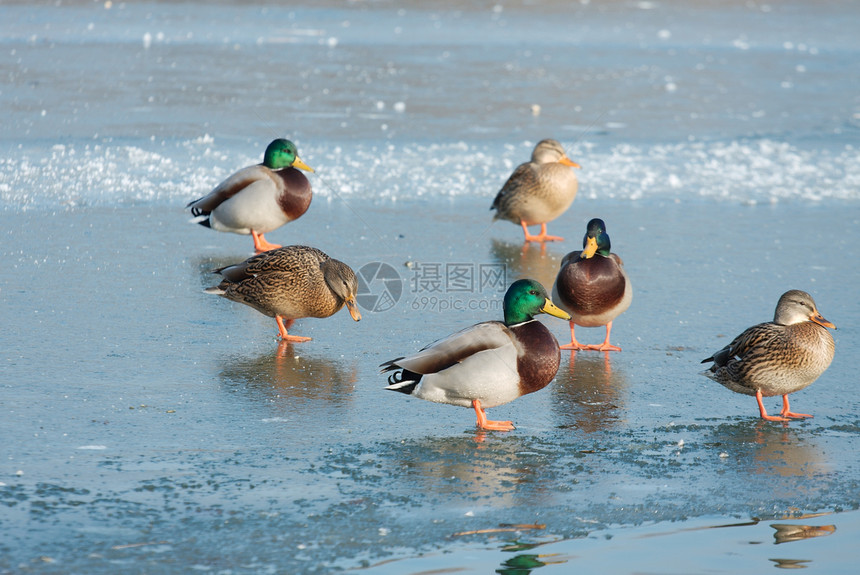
{"x": 541, "y": 237}
{"x": 484, "y": 423}
{"x": 763, "y": 412}
{"x": 603, "y": 347}
{"x": 282, "y": 331}
{"x": 295, "y": 338}
{"x": 786, "y": 410}
{"x": 574, "y": 346}
{"x": 260, "y": 243}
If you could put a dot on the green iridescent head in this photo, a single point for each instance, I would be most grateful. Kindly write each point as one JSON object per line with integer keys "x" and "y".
{"x": 527, "y": 298}
{"x": 596, "y": 239}
{"x": 282, "y": 153}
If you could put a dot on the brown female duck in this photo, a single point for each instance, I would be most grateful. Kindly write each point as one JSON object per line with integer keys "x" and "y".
{"x": 289, "y": 283}
{"x": 538, "y": 191}
{"x": 778, "y": 357}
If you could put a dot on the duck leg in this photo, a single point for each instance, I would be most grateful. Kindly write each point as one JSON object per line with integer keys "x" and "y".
{"x": 260, "y": 243}
{"x": 762, "y": 410}
{"x": 786, "y": 412}
{"x": 282, "y": 330}
{"x": 605, "y": 346}
{"x": 542, "y": 237}
{"x": 573, "y": 345}
{"x": 485, "y": 423}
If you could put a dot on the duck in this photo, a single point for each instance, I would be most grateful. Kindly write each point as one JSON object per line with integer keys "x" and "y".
{"x": 778, "y": 357}
{"x": 488, "y": 364}
{"x": 538, "y": 191}
{"x": 260, "y": 198}
{"x": 592, "y": 286}
{"x": 289, "y": 283}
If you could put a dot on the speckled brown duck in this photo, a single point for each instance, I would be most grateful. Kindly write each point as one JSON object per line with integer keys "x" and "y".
{"x": 778, "y": 357}
{"x": 289, "y": 283}
{"x": 260, "y": 198}
{"x": 592, "y": 286}
{"x": 487, "y": 364}
{"x": 538, "y": 191}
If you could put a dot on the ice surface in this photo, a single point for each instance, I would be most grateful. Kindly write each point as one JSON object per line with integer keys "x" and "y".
{"x": 148, "y": 426}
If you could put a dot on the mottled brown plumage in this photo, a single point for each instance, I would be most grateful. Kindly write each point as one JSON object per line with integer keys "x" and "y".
{"x": 592, "y": 286}
{"x": 289, "y": 283}
{"x": 778, "y": 357}
{"x": 538, "y": 191}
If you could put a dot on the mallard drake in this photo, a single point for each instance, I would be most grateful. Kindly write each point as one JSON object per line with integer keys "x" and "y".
{"x": 592, "y": 286}
{"x": 487, "y": 364}
{"x": 258, "y": 199}
{"x": 289, "y": 283}
{"x": 538, "y": 191}
{"x": 778, "y": 357}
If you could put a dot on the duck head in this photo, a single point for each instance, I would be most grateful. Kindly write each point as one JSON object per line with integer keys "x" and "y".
{"x": 596, "y": 240}
{"x": 796, "y": 306}
{"x": 548, "y": 151}
{"x": 282, "y": 153}
{"x": 342, "y": 281}
{"x": 525, "y": 299}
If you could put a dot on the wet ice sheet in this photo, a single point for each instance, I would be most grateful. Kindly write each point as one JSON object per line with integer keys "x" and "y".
{"x": 711, "y": 545}
{"x": 152, "y": 413}
{"x": 149, "y": 425}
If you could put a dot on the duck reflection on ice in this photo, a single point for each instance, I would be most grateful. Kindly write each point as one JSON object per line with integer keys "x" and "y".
{"x": 526, "y": 563}
{"x": 527, "y": 260}
{"x": 787, "y": 532}
{"x": 287, "y": 374}
{"x": 778, "y": 451}
{"x": 480, "y": 469}
{"x": 588, "y": 394}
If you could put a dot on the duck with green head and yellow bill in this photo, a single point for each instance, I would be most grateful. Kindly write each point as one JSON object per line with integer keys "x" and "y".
{"x": 592, "y": 286}
{"x": 289, "y": 283}
{"x": 778, "y": 357}
{"x": 538, "y": 191}
{"x": 260, "y": 198}
{"x": 487, "y": 364}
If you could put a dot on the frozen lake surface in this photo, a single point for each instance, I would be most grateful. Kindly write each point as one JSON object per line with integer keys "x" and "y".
{"x": 150, "y": 427}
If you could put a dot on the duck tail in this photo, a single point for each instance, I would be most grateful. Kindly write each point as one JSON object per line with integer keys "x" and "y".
{"x": 395, "y": 384}
{"x": 402, "y": 380}
{"x": 202, "y": 219}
